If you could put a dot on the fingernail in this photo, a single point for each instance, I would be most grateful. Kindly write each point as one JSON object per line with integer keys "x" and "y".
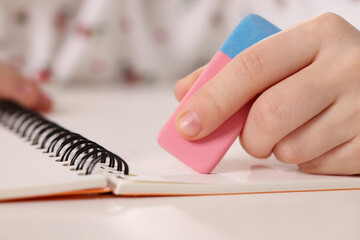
{"x": 190, "y": 124}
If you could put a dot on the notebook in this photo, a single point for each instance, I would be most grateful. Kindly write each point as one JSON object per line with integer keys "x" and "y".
{"x": 125, "y": 122}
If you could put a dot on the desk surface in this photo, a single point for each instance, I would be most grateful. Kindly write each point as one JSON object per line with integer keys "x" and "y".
{"x": 307, "y": 215}
{"x": 311, "y": 215}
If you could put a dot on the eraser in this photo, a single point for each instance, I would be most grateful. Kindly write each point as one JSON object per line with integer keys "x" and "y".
{"x": 204, "y": 154}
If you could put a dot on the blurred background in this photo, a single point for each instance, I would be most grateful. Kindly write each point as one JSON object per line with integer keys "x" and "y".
{"x": 133, "y": 42}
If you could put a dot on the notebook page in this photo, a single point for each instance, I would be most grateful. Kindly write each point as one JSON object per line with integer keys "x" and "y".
{"x": 127, "y": 121}
{"x": 26, "y": 171}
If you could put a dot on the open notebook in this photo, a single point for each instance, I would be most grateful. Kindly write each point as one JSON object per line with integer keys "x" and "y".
{"x": 126, "y": 122}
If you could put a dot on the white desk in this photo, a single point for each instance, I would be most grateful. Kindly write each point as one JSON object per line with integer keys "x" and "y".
{"x": 309, "y": 215}
{"x": 315, "y": 215}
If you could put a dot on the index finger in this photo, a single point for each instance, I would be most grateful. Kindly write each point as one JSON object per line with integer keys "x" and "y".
{"x": 248, "y": 74}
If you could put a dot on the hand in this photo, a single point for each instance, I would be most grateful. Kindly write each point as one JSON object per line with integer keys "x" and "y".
{"x": 14, "y": 87}
{"x": 308, "y": 110}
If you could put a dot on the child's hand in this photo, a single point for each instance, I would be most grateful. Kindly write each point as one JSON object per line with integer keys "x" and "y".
{"x": 14, "y": 87}
{"x": 308, "y": 111}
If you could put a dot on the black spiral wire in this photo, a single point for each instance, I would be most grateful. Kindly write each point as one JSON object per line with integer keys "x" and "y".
{"x": 68, "y": 146}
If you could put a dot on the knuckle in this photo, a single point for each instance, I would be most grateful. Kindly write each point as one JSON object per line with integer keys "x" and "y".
{"x": 287, "y": 153}
{"x": 247, "y": 62}
{"x": 267, "y": 115}
{"x": 345, "y": 70}
{"x": 329, "y": 17}
{"x": 351, "y": 61}
{"x": 329, "y": 23}
{"x": 219, "y": 110}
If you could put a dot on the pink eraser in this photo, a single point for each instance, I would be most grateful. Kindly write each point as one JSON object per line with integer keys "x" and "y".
{"x": 203, "y": 155}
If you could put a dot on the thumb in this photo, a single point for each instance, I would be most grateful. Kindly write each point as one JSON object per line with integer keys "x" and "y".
{"x": 248, "y": 74}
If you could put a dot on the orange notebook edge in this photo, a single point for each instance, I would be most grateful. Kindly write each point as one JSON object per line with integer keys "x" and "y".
{"x": 84, "y": 193}
{"x": 219, "y": 194}
{"x": 91, "y": 193}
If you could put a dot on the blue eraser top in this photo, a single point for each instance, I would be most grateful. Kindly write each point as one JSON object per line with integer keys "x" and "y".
{"x": 251, "y": 29}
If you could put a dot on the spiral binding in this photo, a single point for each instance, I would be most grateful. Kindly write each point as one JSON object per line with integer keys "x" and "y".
{"x": 67, "y": 145}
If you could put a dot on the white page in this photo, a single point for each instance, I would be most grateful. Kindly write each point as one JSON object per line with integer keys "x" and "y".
{"x": 26, "y": 171}
{"x": 127, "y": 121}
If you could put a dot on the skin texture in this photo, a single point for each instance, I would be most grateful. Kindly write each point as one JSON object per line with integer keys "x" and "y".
{"x": 307, "y": 78}
{"x": 15, "y": 87}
